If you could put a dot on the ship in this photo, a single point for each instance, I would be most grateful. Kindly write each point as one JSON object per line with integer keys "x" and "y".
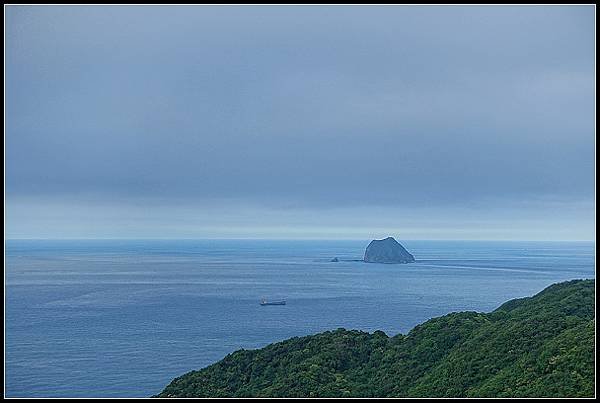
{"x": 264, "y": 302}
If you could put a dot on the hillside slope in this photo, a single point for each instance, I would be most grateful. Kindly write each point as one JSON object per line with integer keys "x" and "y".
{"x": 542, "y": 346}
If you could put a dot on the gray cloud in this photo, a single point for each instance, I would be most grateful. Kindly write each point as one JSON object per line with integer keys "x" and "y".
{"x": 314, "y": 108}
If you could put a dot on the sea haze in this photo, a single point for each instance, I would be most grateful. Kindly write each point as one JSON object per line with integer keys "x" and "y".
{"x": 124, "y": 317}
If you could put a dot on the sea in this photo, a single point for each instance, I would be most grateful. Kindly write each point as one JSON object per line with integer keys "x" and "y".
{"x": 122, "y": 318}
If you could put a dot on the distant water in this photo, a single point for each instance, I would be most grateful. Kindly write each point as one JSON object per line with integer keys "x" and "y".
{"x": 122, "y": 318}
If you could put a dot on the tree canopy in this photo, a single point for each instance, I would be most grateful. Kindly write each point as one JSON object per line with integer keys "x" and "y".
{"x": 541, "y": 346}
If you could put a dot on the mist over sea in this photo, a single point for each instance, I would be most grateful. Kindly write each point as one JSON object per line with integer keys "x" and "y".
{"x": 102, "y": 318}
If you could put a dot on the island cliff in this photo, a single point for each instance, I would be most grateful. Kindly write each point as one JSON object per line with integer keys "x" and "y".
{"x": 387, "y": 250}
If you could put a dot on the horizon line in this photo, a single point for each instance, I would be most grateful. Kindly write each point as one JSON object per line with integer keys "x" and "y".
{"x": 280, "y": 239}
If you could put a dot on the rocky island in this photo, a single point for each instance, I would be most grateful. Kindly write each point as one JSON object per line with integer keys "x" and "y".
{"x": 387, "y": 250}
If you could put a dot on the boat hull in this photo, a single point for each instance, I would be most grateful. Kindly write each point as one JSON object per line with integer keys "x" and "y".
{"x": 273, "y": 303}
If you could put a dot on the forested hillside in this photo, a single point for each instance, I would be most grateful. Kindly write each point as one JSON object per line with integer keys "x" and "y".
{"x": 542, "y": 346}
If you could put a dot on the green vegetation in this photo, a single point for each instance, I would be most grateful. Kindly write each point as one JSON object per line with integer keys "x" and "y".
{"x": 541, "y": 346}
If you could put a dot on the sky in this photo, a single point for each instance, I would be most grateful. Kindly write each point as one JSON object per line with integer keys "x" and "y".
{"x": 325, "y": 122}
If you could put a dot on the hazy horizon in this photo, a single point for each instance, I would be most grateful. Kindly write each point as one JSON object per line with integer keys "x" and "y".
{"x": 305, "y": 239}
{"x": 300, "y": 122}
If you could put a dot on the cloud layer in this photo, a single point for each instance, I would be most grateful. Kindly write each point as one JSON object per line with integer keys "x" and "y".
{"x": 417, "y": 111}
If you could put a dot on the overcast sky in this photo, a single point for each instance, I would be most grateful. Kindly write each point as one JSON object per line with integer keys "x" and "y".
{"x": 300, "y": 122}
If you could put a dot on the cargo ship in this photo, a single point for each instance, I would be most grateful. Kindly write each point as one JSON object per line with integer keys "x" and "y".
{"x": 278, "y": 302}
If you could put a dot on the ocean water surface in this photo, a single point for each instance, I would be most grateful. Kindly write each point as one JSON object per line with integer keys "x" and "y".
{"x": 121, "y": 318}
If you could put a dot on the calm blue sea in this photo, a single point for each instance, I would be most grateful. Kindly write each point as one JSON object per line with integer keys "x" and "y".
{"x": 122, "y": 318}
